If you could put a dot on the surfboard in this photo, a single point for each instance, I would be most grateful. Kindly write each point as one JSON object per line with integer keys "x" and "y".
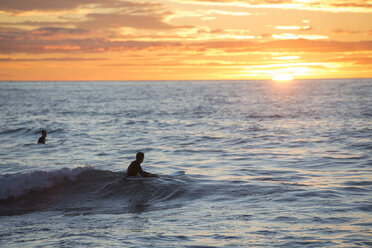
{"x": 174, "y": 174}
{"x": 138, "y": 178}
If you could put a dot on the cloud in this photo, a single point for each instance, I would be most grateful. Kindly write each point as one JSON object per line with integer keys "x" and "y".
{"x": 253, "y": 2}
{"x": 351, "y": 32}
{"x": 10, "y": 37}
{"x": 318, "y": 5}
{"x": 69, "y": 40}
{"x": 287, "y": 58}
{"x": 295, "y": 45}
{"x": 56, "y": 32}
{"x": 289, "y": 36}
{"x": 356, "y": 60}
{"x": 21, "y": 42}
{"x": 344, "y": 32}
{"x": 353, "y": 4}
{"x": 229, "y": 13}
{"x": 51, "y": 5}
{"x": 294, "y": 28}
{"x": 38, "y": 24}
{"x": 319, "y": 46}
{"x": 50, "y": 59}
{"x": 21, "y": 5}
{"x": 111, "y": 14}
{"x": 117, "y": 20}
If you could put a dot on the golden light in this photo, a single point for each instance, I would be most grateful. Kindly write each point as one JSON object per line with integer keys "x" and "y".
{"x": 282, "y": 77}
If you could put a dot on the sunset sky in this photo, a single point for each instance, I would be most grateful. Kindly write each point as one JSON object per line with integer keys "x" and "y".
{"x": 184, "y": 39}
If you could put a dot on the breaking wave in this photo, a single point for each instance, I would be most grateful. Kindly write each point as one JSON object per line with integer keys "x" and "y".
{"x": 15, "y": 185}
{"x": 89, "y": 190}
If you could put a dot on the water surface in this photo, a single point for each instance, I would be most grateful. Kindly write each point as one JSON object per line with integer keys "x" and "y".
{"x": 267, "y": 164}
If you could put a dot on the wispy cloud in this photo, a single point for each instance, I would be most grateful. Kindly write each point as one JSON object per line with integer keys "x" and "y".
{"x": 315, "y": 5}
{"x": 7, "y": 59}
{"x": 293, "y": 27}
{"x": 289, "y": 36}
{"x": 117, "y": 20}
{"x": 295, "y": 45}
{"x": 351, "y": 32}
{"x": 42, "y": 5}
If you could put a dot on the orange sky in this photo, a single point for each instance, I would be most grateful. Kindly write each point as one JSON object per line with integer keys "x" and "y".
{"x": 184, "y": 39}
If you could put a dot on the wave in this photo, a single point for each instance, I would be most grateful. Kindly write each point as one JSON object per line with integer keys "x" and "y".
{"x": 15, "y": 185}
{"x": 20, "y": 131}
{"x": 89, "y": 190}
{"x": 265, "y": 116}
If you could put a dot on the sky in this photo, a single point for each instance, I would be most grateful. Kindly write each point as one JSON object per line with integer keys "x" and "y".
{"x": 184, "y": 39}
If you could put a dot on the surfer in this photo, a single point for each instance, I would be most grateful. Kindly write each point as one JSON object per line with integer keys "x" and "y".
{"x": 42, "y": 138}
{"x": 135, "y": 169}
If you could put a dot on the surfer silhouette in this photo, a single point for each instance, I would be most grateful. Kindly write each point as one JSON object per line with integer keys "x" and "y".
{"x": 135, "y": 169}
{"x": 42, "y": 138}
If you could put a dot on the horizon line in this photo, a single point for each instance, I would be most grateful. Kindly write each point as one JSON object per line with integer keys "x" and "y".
{"x": 180, "y": 80}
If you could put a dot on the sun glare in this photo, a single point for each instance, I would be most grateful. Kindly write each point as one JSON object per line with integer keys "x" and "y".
{"x": 282, "y": 77}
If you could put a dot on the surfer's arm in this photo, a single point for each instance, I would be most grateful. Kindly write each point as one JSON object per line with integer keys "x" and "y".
{"x": 147, "y": 174}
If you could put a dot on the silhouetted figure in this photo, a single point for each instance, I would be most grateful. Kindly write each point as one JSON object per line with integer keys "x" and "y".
{"x": 42, "y": 138}
{"x": 135, "y": 169}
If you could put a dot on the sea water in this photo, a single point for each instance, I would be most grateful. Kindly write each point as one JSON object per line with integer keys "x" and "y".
{"x": 268, "y": 164}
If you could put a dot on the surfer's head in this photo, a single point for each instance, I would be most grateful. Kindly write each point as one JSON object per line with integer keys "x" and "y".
{"x": 140, "y": 156}
{"x": 44, "y": 133}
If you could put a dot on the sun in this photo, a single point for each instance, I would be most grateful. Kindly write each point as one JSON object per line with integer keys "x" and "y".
{"x": 282, "y": 77}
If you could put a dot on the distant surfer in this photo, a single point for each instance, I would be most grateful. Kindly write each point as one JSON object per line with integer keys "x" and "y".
{"x": 135, "y": 169}
{"x": 42, "y": 138}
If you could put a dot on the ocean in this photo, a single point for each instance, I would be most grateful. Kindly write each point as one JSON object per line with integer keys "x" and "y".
{"x": 267, "y": 164}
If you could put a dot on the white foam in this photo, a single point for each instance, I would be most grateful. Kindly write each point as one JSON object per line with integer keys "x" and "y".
{"x": 13, "y": 185}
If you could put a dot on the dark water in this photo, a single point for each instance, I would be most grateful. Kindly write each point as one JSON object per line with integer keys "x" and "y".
{"x": 267, "y": 164}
